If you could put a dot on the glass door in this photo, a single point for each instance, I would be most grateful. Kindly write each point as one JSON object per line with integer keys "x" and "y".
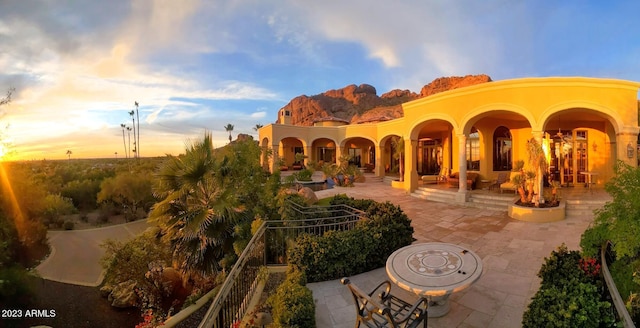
{"x": 355, "y": 156}
{"x": 569, "y": 157}
{"x": 429, "y": 157}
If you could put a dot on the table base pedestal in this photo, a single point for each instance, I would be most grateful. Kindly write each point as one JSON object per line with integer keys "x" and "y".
{"x": 438, "y": 306}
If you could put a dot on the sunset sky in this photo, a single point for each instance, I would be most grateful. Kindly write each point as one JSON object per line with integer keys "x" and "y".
{"x": 194, "y": 66}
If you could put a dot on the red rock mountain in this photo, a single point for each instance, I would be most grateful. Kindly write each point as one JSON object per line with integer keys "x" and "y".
{"x": 360, "y": 104}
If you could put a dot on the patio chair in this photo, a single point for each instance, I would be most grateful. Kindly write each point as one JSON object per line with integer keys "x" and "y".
{"x": 443, "y": 177}
{"x": 381, "y": 309}
{"x": 502, "y": 178}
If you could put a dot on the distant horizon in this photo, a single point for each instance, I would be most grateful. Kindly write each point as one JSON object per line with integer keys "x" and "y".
{"x": 195, "y": 65}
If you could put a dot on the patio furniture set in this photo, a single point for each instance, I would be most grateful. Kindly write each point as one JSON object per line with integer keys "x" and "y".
{"x": 431, "y": 271}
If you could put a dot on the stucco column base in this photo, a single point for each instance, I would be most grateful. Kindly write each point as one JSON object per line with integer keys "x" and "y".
{"x": 462, "y": 197}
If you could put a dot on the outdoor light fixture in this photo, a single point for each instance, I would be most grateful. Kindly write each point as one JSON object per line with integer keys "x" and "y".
{"x": 630, "y": 150}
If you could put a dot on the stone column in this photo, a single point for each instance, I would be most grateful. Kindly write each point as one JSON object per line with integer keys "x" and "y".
{"x": 307, "y": 152}
{"x": 379, "y": 170}
{"x": 410, "y": 170}
{"x": 338, "y": 154}
{"x": 275, "y": 156}
{"x": 462, "y": 168}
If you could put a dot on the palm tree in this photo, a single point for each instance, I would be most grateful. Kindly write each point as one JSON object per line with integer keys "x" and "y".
{"x": 116, "y": 153}
{"x": 198, "y": 207}
{"x": 229, "y": 128}
{"x": 138, "y": 118}
{"x": 129, "y": 137}
{"x": 69, "y": 154}
{"x": 7, "y": 99}
{"x": 123, "y": 142}
{"x": 538, "y": 163}
{"x": 133, "y": 119}
{"x": 257, "y": 127}
{"x": 398, "y": 153}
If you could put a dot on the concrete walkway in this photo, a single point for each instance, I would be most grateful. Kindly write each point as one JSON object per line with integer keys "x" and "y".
{"x": 75, "y": 254}
{"x": 512, "y": 253}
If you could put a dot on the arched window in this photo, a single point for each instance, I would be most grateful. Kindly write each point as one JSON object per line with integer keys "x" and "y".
{"x": 502, "y": 149}
{"x": 473, "y": 150}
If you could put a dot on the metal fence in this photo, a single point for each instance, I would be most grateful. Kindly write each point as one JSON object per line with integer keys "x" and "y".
{"x": 268, "y": 246}
{"x": 230, "y": 305}
{"x": 316, "y": 220}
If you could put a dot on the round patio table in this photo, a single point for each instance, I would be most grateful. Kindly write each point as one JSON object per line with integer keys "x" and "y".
{"x": 434, "y": 271}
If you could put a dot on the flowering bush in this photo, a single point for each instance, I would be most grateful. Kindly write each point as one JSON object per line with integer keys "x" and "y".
{"x": 570, "y": 294}
{"x": 151, "y": 320}
{"x": 590, "y": 266}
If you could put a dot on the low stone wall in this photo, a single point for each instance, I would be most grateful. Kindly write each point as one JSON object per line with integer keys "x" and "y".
{"x": 535, "y": 214}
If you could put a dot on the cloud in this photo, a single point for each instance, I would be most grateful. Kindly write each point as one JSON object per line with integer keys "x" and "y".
{"x": 261, "y": 114}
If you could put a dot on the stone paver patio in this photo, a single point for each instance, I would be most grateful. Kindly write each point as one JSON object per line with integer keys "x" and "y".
{"x": 512, "y": 253}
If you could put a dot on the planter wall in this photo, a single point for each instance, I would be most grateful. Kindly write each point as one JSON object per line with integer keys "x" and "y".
{"x": 540, "y": 215}
{"x": 397, "y": 184}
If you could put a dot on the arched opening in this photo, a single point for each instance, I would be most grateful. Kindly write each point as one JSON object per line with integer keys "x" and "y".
{"x": 579, "y": 142}
{"x": 473, "y": 150}
{"x": 502, "y": 149}
{"x": 361, "y": 152}
{"x": 324, "y": 151}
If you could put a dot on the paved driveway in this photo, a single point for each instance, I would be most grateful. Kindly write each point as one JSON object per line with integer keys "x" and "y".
{"x": 75, "y": 254}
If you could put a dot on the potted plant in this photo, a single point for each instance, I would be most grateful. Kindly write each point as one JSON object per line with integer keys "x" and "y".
{"x": 341, "y": 168}
{"x": 531, "y": 206}
{"x": 329, "y": 171}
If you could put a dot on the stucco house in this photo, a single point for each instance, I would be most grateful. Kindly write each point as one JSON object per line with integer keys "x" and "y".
{"x": 584, "y": 124}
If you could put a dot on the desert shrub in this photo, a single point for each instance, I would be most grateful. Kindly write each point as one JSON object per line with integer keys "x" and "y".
{"x": 68, "y": 225}
{"x": 363, "y": 248}
{"x": 623, "y": 273}
{"x": 633, "y": 306}
{"x": 54, "y": 207}
{"x": 618, "y": 220}
{"x": 304, "y": 175}
{"x": 361, "y": 204}
{"x": 292, "y": 305}
{"x": 84, "y": 217}
{"x": 107, "y": 210}
{"x": 129, "y": 260}
{"x": 618, "y": 223}
{"x": 593, "y": 238}
{"x": 124, "y": 261}
{"x": 570, "y": 294}
{"x": 561, "y": 266}
{"x": 336, "y": 254}
{"x": 15, "y": 289}
{"x": 83, "y": 193}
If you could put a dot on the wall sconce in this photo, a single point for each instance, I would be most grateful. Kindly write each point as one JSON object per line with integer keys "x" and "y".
{"x": 630, "y": 150}
{"x": 594, "y": 146}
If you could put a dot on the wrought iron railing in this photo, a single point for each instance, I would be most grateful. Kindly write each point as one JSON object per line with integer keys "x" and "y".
{"x": 314, "y": 220}
{"x": 618, "y": 302}
{"x": 230, "y": 305}
{"x": 268, "y": 246}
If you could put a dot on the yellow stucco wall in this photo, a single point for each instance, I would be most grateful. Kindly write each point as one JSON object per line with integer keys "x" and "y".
{"x": 607, "y": 109}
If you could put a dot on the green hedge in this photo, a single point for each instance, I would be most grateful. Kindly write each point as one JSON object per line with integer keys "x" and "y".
{"x": 292, "y": 305}
{"x": 344, "y": 253}
{"x": 568, "y": 297}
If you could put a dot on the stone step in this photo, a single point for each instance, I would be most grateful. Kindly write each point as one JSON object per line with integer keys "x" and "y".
{"x": 491, "y": 202}
{"x": 387, "y": 179}
{"x": 434, "y": 198}
{"x": 435, "y": 195}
